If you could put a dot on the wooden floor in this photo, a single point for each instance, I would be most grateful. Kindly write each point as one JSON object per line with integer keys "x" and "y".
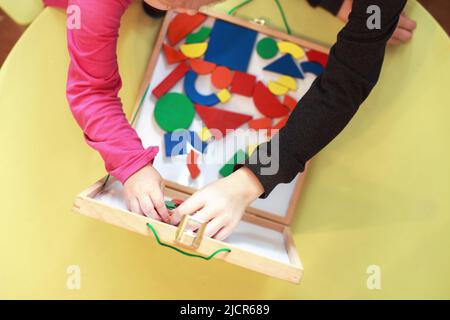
{"x": 10, "y": 32}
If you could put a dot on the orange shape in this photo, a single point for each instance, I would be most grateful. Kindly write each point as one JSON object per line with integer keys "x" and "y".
{"x": 290, "y": 102}
{"x": 192, "y": 165}
{"x": 221, "y": 77}
{"x": 201, "y": 66}
{"x": 183, "y": 24}
{"x": 259, "y": 124}
{"x": 172, "y": 54}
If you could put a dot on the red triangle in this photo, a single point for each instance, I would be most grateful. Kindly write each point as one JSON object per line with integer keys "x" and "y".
{"x": 173, "y": 55}
{"x": 221, "y": 120}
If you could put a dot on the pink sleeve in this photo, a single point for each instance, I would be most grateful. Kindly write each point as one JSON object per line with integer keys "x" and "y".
{"x": 93, "y": 84}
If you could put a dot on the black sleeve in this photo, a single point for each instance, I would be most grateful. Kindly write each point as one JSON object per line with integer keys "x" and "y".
{"x": 331, "y": 6}
{"x": 352, "y": 71}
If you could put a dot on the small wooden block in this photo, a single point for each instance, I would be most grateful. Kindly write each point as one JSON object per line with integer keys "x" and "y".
{"x": 204, "y": 134}
{"x": 290, "y": 102}
{"x": 267, "y": 48}
{"x": 171, "y": 80}
{"x": 267, "y": 103}
{"x": 285, "y": 66}
{"x": 224, "y": 95}
{"x": 200, "y": 36}
{"x": 260, "y": 124}
{"x": 195, "y": 50}
{"x": 312, "y": 67}
{"x": 238, "y": 158}
{"x": 277, "y": 89}
{"x": 193, "y": 94}
{"x": 192, "y": 164}
{"x": 172, "y": 55}
{"x": 221, "y": 120}
{"x": 293, "y": 49}
{"x": 243, "y": 84}
{"x": 183, "y": 24}
{"x": 174, "y": 111}
{"x": 201, "y": 66}
{"x": 288, "y": 82}
{"x": 221, "y": 77}
{"x": 317, "y": 56}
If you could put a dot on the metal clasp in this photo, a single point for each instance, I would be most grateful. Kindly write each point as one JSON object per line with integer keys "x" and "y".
{"x": 186, "y": 236}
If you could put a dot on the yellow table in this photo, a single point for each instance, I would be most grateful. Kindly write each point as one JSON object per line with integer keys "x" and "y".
{"x": 378, "y": 195}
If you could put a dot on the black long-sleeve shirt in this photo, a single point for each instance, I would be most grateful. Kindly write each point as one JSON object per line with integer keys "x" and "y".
{"x": 353, "y": 68}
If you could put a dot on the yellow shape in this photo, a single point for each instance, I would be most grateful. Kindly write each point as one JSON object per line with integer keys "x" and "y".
{"x": 224, "y": 95}
{"x": 288, "y": 82}
{"x": 251, "y": 148}
{"x": 288, "y": 47}
{"x": 194, "y": 50}
{"x": 205, "y": 134}
{"x": 277, "y": 89}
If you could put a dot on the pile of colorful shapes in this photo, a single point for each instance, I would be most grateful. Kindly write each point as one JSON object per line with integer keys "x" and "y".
{"x": 223, "y": 53}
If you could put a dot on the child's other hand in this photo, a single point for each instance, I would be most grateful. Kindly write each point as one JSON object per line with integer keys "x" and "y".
{"x": 144, "y": 194}
{"x": 221, "y": 203}
{"x": 402, "y": 33}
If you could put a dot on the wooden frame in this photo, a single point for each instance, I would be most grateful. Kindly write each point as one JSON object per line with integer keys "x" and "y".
{"x": 85, "y": 203}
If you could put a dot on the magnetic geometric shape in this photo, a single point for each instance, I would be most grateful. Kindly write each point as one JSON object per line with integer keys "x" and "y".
{"x": 251, "y": 148}
{"x": 174, "y": 111}
{"x": 312, "y": 67}
{"x": 183, "y": 24}
{"x": 293, "y": 49}
{"x": 267, "y": 48}
{"x": 201, "y": 66}
{"x": 194, "y": 95}
{"x": 318, "y": 57}
{"x": 243, "y": 84}
{"x": 230, "y": 45}
{"x": 191, "y": 162}
{"x": 238, "y": 158}
{"x": 290, "y": 102}
{"x": 277, "y": 89}
{"x": 267, "y": 103}
{"x": 197, "y": 143}
{"x": 194, "y": 50}
{"x": 224, "y": 95}
{"x": 171, "y": 80}
{"x": 286, "y": 66}
{"x": 175, "y": 143}
{"x": 200, "y": 36}
{"x": 173, "y": 55}
{"x": 260, "y": 124}
{"x": 221, "y": 77}
{"x": 288, "y": 82}
{"x": 277, "y": 127}
{"x": 221, "y": 120}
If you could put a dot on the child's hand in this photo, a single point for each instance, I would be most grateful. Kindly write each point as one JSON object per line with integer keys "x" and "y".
{"x": 221, "y": 203}
{"x": 144, "y": 194}
{"x": 402, "y": 33}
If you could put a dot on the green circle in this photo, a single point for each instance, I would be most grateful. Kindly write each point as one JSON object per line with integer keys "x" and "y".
{"x": 174, "y": 111}
{"x": 267, "y": 48}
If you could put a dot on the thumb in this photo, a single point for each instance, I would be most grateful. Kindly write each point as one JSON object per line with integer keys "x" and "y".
{"x": 190, "y": 206}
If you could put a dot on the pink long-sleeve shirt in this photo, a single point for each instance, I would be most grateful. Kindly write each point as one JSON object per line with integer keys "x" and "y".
{"x": 93, "y": 85}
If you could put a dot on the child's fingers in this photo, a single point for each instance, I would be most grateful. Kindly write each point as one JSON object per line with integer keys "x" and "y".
{"x": 214, "y": 226}
{"x": 147, "y": 208}
{"x": 134, "y": 206}
{"x": 402, "y": 35}
{"x": 406, "y": 23}
{"x": 223, "y": 233}
{"x": 158, "y": 203}
{"x": 191, "y": 205}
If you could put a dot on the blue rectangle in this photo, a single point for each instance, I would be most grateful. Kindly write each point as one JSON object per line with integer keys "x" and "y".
{"x": 231, "y": 45}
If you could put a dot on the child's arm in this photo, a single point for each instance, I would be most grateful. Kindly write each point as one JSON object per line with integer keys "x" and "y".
{"x": 92, "y": 92}
{"x": 352, "y": 71}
